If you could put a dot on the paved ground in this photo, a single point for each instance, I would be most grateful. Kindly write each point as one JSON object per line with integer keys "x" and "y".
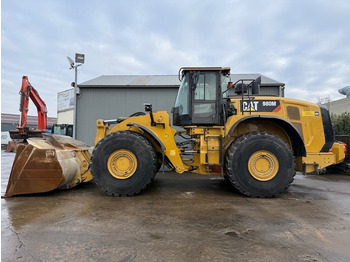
{"x": 180, "y": 218}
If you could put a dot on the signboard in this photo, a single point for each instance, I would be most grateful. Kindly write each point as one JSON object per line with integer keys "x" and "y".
{"x": 65, "y": 100}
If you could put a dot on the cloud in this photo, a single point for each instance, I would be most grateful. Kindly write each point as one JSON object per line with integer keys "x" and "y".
{"x": 304, "y": 44}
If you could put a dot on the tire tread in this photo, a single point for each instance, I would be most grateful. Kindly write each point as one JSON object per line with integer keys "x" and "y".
{"x": 230, "y": 165}
{"x": 136, "y": 137}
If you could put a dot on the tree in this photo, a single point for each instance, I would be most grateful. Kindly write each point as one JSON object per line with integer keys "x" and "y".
{"x": 341, "y": 123}
{"x": 324, "y": 100}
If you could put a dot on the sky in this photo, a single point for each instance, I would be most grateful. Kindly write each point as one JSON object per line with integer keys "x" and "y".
{"x": 304, "y": 44}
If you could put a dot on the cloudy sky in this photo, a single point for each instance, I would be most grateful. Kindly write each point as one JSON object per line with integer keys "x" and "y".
{"x": 305, "y": 44}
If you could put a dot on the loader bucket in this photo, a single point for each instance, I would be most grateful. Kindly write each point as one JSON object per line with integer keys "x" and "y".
{"x": 48, "y": 163}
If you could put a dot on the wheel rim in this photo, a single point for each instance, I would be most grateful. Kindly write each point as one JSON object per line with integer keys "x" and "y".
{"x": 263, "y": 165}
{"x": 122, "y": 164}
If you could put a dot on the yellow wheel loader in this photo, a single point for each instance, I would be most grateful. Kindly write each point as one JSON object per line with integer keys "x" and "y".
{"x": 227, "y": 129}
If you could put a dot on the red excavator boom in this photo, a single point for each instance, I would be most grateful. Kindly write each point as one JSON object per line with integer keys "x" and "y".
{"x": 28, "y": 91}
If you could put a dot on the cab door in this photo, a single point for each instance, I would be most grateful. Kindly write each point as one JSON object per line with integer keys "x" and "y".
{"x": 205, "y": 94}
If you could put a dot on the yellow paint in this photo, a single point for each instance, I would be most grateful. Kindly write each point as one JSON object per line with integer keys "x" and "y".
{"x": 317, "y": 161}
{"x": 338, "y": 151}
{"x": 263, "y": 165}
{"x": 122, "y": 164}
{"x": 162, "y": 132}
{"x": 308, "y": 113}
{"x": 101, "y": 130}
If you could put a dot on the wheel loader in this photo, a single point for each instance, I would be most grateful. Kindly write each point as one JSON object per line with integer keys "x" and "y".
{"x": 254, "y": 141}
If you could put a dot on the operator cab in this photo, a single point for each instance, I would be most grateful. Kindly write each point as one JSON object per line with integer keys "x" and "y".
{"x": 199, "y": 100}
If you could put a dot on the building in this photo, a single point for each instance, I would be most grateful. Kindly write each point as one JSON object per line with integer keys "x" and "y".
{"x": 340, "y": 106}
{"x": 111, "y": 96}
{"x": 10, "y": 122}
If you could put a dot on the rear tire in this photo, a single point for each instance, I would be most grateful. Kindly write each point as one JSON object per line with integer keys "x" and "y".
{"x": 123, "y": 163}
{"x": 260, "y": 164}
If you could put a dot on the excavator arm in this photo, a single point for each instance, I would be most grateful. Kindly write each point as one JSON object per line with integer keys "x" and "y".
{"x": 29, "y": 92}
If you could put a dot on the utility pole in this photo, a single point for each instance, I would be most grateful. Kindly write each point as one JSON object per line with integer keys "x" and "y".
{"x": 79, "y": 60}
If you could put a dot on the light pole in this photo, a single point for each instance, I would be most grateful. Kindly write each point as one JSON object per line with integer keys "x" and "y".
{"x": 79, "y": 60}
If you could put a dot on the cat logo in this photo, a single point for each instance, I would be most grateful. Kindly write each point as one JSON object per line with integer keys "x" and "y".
{"x": 260, "y": 106}
{"x": 249, "y": 106}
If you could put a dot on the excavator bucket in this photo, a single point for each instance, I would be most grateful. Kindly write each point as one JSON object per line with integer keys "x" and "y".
{"x": 48, "y": 163}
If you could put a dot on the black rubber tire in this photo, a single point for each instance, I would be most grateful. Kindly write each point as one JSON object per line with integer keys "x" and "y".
{"x": 146, "y": 163}
{"x": 237, "y": 159}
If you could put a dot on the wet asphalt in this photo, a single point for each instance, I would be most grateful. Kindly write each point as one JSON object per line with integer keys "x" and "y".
{"x": 179, "y": 218}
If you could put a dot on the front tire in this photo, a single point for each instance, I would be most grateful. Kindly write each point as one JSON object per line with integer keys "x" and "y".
{"x": 123, "y": 163}
{"x": 260, "y": 164}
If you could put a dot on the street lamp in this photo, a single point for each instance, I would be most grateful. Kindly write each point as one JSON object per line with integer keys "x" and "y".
{"x": 79, "y": 60}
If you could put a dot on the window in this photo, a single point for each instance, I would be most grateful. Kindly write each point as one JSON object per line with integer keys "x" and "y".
{"x": 204, "y": 104}
{"x": 206, "y": 87}
{"x": 182, "y": 97}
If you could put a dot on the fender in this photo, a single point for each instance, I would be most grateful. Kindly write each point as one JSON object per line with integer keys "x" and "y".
{"x": 150, "y": 133}
{"x": 294, "y": 133}
{"x": 168, "y": 145}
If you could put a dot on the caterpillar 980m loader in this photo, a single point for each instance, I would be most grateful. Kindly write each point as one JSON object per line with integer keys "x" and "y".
{"x": 228, "y": 129}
